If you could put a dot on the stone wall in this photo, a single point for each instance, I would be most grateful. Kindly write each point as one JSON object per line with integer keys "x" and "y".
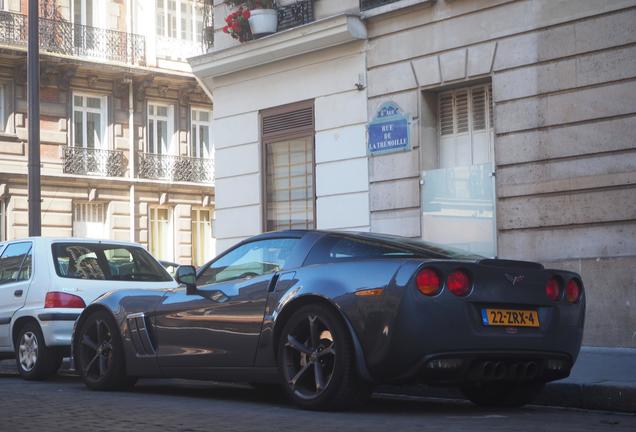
{"x": 563, "y": 76}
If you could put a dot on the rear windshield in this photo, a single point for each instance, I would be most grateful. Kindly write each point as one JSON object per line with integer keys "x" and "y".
{"x": 107, "y": 262}
{"x": 340, "y": 247}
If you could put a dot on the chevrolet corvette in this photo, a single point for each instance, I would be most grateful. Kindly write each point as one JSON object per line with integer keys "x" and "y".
{"x": 329, "y": 315}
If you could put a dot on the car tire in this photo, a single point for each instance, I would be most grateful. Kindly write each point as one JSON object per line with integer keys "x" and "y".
{"x": 317, "y": 362}
{"x": 502, "y": 394}
{"x": 100, "y": 354}
{"x": 34, "y": 360}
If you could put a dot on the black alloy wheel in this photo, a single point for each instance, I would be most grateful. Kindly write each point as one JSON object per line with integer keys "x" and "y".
{"x": 316, "y": 359}
{"x": 100, "y": 354}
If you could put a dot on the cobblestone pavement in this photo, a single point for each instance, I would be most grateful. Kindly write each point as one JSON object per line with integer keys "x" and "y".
{"x": 174, "y": 405}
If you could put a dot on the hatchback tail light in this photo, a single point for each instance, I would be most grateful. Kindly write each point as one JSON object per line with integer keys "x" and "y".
{"x": 573, "y": 291}
{"x": 553, "y": 289}
{"x": 57, "y": 299}
{"x": 428, "y": 282}
{"x": 458, "y": 282}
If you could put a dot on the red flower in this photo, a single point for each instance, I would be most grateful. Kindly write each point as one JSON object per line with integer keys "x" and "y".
{"x": 225, "y": 29}
{"x": 236, "y": 26}
{"x": 246, "y": 14}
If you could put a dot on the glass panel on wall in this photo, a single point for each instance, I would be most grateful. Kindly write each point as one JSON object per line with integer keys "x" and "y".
{"x": 290, "y": 194}
{"x": 458, "y": 199}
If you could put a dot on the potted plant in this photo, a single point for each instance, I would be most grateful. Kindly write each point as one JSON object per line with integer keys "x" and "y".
{"x": 237, "y": 24}
{"x": 263, "y": 17}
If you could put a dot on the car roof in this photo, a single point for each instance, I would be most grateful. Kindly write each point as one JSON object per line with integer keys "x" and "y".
{"x": 51, "y": 240}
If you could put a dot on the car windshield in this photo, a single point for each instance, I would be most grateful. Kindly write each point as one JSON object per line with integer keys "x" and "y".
{"x": 107, "y": 262}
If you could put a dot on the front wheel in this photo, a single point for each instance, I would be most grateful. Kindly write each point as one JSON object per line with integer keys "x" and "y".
{"x": 502, "y": 394}
{"x": 35, "y": 361}
{"x": 316, "y": 360}
{"x": 100, "y": 354}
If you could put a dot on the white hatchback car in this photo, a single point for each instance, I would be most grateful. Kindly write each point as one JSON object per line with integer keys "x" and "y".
{"x": 46, "y": 282}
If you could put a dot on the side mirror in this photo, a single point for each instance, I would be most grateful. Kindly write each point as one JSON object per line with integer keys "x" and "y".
{"x": 187, "y": 275}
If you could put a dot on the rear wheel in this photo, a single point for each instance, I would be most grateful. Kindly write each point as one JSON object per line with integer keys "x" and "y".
{"x": 316, "y": 360}
{"x": 502, "y": 394}
{"x": 100, "y": 354}
{"x": 35, "y": 361}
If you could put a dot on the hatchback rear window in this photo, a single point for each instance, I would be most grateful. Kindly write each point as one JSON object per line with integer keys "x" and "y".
{"x": 106, "y": 262}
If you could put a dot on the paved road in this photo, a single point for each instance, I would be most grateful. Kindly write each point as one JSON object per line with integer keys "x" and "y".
{"x": 65, "y": 404}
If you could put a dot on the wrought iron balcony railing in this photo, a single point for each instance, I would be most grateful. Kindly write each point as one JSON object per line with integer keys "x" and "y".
{"x": 370, "y": 4}
{"x": 63, "y": 37}
{"x": 94, "y": 161}
{"x": 294, "y": 15}
{"x": 175, "y": 168}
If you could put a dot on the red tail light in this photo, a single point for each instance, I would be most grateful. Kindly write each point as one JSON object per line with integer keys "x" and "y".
{"x": 553, "y": 289}
{"x": 428, "y": 282}
{"x": 63, "y": 300}
{"x": 458, "y": 282}
{"x": 573, "y": 290}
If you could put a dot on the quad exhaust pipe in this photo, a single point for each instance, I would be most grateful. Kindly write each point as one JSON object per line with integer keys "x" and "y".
{"x": 518, "y": 371}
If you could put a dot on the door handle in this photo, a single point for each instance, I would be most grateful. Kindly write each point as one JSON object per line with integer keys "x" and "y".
{"x": 18, "y": 293}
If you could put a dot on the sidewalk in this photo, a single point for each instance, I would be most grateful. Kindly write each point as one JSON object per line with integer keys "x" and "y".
{"x": 602, "y": 379}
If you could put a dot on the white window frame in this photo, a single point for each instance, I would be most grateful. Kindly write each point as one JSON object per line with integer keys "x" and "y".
{"x": 204, "y": 250}
{"x": 102, "y": 111}
{"x": 196, "y": 35}
{"x": 195, "y": 124}
{"x": 99, "y": 13}
{"x": 3, "y": 217}
{"x": 170, "y": 145}
{"x": 3, "y": 103}
{"x": 152, "y": 216}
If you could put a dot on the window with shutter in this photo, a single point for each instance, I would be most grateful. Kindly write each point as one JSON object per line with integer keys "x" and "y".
{"x": 288, "y": 140}
{"x": 89, "y": 220}
{"x": 465, "y": 126}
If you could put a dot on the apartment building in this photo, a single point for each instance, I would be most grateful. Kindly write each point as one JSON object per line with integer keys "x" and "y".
{"x": 501, "y": 126}
{"x": 126, "y": 142}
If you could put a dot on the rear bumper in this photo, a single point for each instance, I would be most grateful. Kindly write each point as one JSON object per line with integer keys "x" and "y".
{"x": 454, "y": 368}
{"x": 57, "y": 325}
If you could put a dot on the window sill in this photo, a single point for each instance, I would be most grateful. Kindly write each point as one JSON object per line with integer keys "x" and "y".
{"x": 8, "y": 137}
{"x": 392, "y": 7}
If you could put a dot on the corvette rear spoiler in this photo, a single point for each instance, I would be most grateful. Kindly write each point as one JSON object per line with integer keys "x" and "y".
{"x": 502, "y": 263}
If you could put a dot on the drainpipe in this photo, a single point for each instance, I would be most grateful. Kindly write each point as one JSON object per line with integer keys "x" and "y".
{"x": 131, "y": 133}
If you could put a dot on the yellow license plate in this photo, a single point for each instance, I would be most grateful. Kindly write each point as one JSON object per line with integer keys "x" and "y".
{"x": 510, "y": 317}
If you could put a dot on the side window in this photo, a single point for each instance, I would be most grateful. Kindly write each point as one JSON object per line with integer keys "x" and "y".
{"x": 15, "y": 263}
{"x": 249, "y": 260}
{"x": 335, "y": 248}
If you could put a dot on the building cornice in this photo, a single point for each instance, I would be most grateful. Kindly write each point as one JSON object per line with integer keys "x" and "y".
{"x": 314, "y": 36}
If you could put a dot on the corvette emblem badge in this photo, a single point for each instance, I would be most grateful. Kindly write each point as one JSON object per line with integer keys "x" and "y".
{"x": 514, "y": 279}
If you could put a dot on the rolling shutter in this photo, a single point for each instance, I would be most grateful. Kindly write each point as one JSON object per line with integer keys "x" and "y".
{"x": 289, "y": 120}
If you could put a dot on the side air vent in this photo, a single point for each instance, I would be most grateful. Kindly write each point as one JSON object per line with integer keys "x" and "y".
{"x": 139, "y": 334}
{"x": 501, "y": 263}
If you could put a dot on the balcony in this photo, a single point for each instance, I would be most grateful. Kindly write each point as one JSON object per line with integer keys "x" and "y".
{"x": 94, "y": 161}
{"x": 66, "y": 38}
{"x": 294, "y": 15}
{"x": 175, "y": 168}
{"x": 370, "y": 4}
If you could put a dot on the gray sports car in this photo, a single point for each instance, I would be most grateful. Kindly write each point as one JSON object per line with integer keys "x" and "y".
{"x": 328, "y": 315}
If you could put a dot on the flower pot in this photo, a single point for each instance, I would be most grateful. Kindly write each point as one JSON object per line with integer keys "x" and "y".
{"x": 263, "y": 21}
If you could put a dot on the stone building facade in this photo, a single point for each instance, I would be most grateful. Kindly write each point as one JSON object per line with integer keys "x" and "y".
{"x": 125, "y": 129}
{"x": 522, "y": 125}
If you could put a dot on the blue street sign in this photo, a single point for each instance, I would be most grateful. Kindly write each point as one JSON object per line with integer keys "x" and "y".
{"x": 389, "y": 130}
